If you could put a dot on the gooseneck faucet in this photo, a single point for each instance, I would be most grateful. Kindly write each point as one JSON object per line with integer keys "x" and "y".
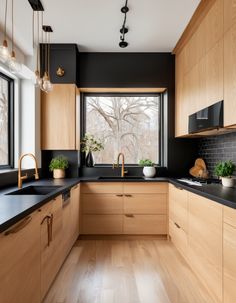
{"x": 21, "y": 178}
{"x": 123, "y": 171}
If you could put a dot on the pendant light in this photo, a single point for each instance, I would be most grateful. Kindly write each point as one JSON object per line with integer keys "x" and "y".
{"x": 14, "y": 66}
{"x": 37, "y": 71}
{"x": 124, "y": 30}
{"x": 46, "y": 83}
{"x": 4, "y": 51}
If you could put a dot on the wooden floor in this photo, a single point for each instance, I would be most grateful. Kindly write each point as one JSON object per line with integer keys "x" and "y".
{"x": 125, "y": 271}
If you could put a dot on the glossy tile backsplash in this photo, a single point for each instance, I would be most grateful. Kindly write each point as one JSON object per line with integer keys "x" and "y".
{"x": 217, "y": 148}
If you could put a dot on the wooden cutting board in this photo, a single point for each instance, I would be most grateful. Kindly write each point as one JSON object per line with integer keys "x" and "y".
{"x": 199, "y": 170}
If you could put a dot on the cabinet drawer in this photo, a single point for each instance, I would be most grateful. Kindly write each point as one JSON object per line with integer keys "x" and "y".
{"x": 102, "y": 204}
{"x": 102, "y": 224}
{"x": 229, "y": 215}
{"x": 145, "y": 224}
{"x": 179, "y": 238}
{"x": 145, "y": 188}
{"x": 145, "y": 204}
{"x": 102, "y": 188}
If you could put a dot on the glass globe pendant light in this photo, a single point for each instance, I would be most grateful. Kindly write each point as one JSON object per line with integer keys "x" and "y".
{"x": 46, "y": 83}
{"x": 4, "y": 51}
{"x": 38, "y": 79}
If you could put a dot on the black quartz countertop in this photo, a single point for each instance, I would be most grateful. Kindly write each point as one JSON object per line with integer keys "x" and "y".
{"x": 13, "y": 208}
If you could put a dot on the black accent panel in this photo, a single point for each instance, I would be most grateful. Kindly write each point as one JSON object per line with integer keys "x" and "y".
{"x": 36, "y": 5}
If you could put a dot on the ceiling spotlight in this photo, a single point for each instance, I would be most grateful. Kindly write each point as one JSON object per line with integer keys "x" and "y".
{"x": 123, "y": 44}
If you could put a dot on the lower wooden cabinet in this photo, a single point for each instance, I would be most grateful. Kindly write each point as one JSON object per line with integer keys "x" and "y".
{"x": 75, "y": 210}
{"x": 102, "y": 224}
{"x": 20, "y": 261}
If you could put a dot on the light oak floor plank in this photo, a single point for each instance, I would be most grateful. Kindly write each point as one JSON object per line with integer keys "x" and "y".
{"x": 126, "y": 271}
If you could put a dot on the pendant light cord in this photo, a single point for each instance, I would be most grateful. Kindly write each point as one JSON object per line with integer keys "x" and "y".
{"x": 12, "y": 26}
{"x": 5, "y": 25}
{"x": 48, "y": 55}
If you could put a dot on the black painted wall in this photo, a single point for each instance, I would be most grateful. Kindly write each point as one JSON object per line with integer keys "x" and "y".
{"x": 141, "y": 70}
{"x": 217, "y": 148}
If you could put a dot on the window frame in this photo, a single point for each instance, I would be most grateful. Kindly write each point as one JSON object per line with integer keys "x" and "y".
{"x": 10, "y": 122}
{"x": 161, "y": 125}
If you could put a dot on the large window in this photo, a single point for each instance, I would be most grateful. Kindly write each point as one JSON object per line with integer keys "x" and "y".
{"x": 125, "y": 123}
{"x": 6, "y": 121}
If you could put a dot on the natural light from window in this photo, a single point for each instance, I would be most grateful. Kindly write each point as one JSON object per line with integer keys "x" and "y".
{"x": 3, "y": 122}
{"x": 128, "y": 124}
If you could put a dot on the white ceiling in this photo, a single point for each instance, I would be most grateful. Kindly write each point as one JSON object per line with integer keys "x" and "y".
{"x": 154, "y": 25}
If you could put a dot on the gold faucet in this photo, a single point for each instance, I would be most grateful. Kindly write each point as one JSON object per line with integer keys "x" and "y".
{"x": 123, "y": 171}
{"x": 21, "y": 178}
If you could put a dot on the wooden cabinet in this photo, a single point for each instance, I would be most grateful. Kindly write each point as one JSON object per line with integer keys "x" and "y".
{"x": 51, "y": 237}
{"x": 124, "y": 208}
{"x": 205, "y": 242}
{"x": 229, "y": 252}
{"x": 20, "y": 261}
{"x": 59, "y": 121}
{"x": 75, "y": 210}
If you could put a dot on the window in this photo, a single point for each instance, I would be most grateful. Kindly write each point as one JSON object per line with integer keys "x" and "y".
{"x": 125, "y": 123}
{"x": 6, "y": 121}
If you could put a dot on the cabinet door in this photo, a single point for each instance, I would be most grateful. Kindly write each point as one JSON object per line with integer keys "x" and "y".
{"x": 58, "y": 118}
{"x": 20, "y": 261}
{"x": 102, "y": 224}
{"x": 51, "y": 232}
{"x": 66, "y": 228}
{"x": 75, "y": 209}
{"x": 206, "y": 242}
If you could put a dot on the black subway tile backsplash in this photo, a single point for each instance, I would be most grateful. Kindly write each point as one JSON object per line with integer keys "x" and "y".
{"x": 217, "y": 148}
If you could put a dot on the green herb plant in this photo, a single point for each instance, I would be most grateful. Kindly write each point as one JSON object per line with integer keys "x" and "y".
{"x": 90, "y": 144}
{"x": 146, "y": 162}
{"x": 59, "y": 162}
{"x": 224, "y": 169}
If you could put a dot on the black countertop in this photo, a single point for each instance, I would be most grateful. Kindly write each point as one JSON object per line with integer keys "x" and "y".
{"x": 13, "y": 208}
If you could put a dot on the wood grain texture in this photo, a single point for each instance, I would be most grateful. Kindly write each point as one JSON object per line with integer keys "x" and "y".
{"x": 134, "y": 271}
{"x": 102, "y": 224}
{"x": 102, "y": 188}
{"x": 58, "y": 115}
{"x": 20, "y": 264}
{"x": 122, "y": 90}
{"x": 229, "y": 249}
{"x": 229, "y": 14}
{"x": 102, "y": 204}
{"x": 229, "y": 216}
{"x": 145, "y": 188}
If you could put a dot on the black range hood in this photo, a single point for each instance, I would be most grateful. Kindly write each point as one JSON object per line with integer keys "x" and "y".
{"x": 207, "y": 119}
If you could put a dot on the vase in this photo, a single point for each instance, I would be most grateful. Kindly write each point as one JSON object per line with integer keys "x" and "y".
{"x": 227, "y": 181}
{"x": 58, "y": 173}
{"x": 89, "y": 161}
{"x": 149, "y": 171}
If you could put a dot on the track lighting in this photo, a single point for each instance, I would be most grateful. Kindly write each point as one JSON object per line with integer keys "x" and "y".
{"x": 124, "y": 30}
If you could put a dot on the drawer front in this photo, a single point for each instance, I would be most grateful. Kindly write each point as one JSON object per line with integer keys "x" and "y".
{"x": 145, "y": 224}
{"x": 178, "y": 194}
{"x": 179, "y": 238}
{"x": 145, "y": 188}
{"x": 229, "y": 215}
{"x": 102, "y": 188}
{"x": 229, "y": 246}
{"x": 145, "y": 204}
{"x": 102, "y": 204}
{"x": 102, "y": 224}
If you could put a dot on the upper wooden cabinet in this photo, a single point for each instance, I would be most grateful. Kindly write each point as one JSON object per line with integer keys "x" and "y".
{"x": 59, "y": 118}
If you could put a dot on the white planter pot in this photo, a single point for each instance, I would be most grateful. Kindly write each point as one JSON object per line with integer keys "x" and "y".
{"x": 58, "y": 173}
{"x": 149, "y": 171}
{"x": 227, "y": 181}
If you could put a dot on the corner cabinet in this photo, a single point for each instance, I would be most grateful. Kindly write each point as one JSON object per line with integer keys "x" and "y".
{"x": 60, "y": 118}
{"x": 20, "y": 261}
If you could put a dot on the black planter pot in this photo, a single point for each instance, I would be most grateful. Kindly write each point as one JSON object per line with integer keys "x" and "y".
{"x": 89, "y": 161}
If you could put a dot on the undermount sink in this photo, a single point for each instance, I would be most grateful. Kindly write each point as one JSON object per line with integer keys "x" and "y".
{"x": 35, "y": 190}
{"x": 121, "y": 178}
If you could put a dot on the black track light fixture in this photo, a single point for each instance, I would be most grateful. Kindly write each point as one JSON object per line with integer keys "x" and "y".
{"x": 124, "y": 30}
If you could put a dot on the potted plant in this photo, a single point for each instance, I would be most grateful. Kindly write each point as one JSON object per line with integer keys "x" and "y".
{"x": 89, "y": 145}
{"x": 225, "y": 171}
{"x": 58, "y": 166}
{"x": 149, "y": 170}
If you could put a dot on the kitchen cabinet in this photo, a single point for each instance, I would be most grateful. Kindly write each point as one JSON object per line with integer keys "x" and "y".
{"x": 51, "y": 237}
{"x": 229, "y": 252}
{"x": 205, "y": 242}
{"x": 60, "y": 118}
{"x": 20, "y": 261}
{"x": 124, "y": 208}
{"x": 75, "y": 213}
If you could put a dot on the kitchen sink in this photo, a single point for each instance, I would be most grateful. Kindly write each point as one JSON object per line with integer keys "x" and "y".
{"x": 35, "y": 190}
{"x": 121, "y": 178}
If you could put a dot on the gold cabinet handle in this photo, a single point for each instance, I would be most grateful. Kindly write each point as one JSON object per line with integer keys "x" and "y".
{"x": 50, "y": 227}
{"x": 76, "y": 186}
{"x": 129, "y": 216}
{"x": 128, "y": 196}
{"x": 18, "y": 226}
{"x": 177, "y": 225}
{"x": 119, "y": 195}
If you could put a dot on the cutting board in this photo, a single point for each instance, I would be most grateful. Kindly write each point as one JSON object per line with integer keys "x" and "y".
{"x": 199, "y": 170}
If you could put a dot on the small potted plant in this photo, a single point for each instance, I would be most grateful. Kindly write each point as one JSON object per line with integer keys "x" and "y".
{"x": 89, "y": 145}
{"x": 149, "y": 170}
{"x": 225, "y": 171}
{"x": 58, "y": 166}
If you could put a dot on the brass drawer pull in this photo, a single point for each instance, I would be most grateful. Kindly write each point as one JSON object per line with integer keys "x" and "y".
{"x": 177, "y": 225}
{"x": 128, "y": 196}
{"x": 48, "y": 218}
{"x": 18, "y": 226}
{"x": 76, "y": 186}
{"x": 119, "y": 195}
{"x": 129, "y": 216}
{"x": 50, "y": 227}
